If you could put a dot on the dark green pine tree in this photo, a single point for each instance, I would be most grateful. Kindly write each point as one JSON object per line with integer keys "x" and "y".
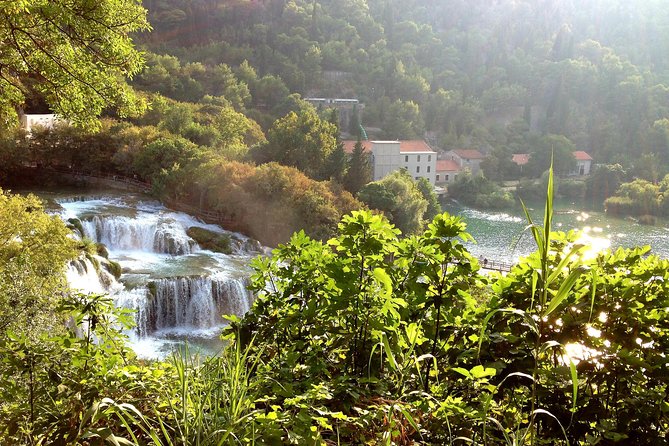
{"x": 359, "y": 170}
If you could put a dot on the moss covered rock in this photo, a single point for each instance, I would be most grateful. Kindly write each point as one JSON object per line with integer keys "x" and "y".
{"x": 210, "y": 240}
{"x": 114, "y": 268}
{"x": 75, "y": 225}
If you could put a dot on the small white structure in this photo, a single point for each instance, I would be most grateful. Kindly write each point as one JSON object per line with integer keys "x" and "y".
{"x": 583, "y": 163}
{"x": 28, "y": 121}
{"x": 388, "y": 156}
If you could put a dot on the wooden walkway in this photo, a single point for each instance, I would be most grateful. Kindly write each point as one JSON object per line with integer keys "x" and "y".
{"x": 495, "y": 265}
{"x": 120, "y": 179}
{"x": 142, "y": 186}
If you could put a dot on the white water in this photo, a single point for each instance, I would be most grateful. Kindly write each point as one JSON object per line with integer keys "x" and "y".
{"x": 179, "y": 291}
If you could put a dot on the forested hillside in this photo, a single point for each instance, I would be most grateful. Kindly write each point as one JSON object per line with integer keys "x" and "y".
{"x": 496, "y": 75}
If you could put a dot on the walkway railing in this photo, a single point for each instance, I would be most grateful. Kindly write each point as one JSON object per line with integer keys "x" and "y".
{"x": 142, "y": 185}
{"x": 495, "y": 265}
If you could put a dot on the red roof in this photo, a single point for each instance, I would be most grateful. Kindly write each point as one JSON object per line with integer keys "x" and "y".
{"x": 447, "y": 166}
{"x": 521, "y": 158}
{"x": 471, "y": 154}
{"x": 580, "y": 155}
{"x": 414, "y": 145}
{"x": 349, "y": 145}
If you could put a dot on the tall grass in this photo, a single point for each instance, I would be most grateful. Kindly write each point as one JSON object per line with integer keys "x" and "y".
{"x": 213, "y": 404}
{"x": 209, "y": 402}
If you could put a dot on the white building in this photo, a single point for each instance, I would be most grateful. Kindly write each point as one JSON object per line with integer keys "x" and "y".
{"x": 583, "y": 163}
{"x": 28, "y": 121}
{"x": 388, "y": 156}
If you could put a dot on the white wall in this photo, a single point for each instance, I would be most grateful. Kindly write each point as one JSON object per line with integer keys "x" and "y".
{"x": 30, "y": 121}
{"x": 387, "y": 158}
{"x": 420, "y": 165}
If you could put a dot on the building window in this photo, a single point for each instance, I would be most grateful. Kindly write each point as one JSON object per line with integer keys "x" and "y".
{"x": 455, "y": 177}
{"x": 418, "y": 159}
{"x": 428, "y": 169}
{"x": 417, "y": 178}
{"x": 437, "y": 177}
{"x": 406, "y": 158}
{"x": 417, "y": 169}
{"x": 429, "y": 158}
{"x": 446, "y": 177}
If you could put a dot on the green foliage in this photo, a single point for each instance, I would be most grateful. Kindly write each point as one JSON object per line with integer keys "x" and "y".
{"x": 73, "y": 55}
{"x": 302, "y": 140}
{"x": 604, "y": 181}
{"x": 640, "y": 197}
{"x": 478, "y": 191}
{"x": 554, "y": 149}
{"x": 428, "y": 192}
{"x": 398, "y": 196}
{"x": 349, "y": 320}
{"x": 34, "y": 248}
{"x": 359, "y": 171}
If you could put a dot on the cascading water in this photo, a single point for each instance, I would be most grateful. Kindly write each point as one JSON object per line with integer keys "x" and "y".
{"x": 149, "y": 234}
{"x": 178, "y": 290}
{"x": 195, "y": 304}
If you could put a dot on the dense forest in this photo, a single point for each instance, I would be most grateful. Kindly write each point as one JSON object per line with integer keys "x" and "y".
{"x": 367, "y": 328}
{"x": 487, "y": 74}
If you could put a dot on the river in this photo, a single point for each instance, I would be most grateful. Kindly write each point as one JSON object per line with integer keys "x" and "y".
{"x": 503, "y": 236}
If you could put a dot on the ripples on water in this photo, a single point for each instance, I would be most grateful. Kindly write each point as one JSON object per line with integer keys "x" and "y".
{"x": 503, "y": 236}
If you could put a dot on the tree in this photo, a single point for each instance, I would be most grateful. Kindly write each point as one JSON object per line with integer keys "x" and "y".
{"x": 74, "y": 54}
{"x": 398, "y": 196}
{"x": 359, "y": 171}
{"x": 559, "y": 147}
{"x": 427, "y": 190}
{"x": 34, "y": 249}
{"x": 303, "y": 140}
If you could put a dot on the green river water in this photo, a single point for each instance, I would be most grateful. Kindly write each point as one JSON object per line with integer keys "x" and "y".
{"x": 501, "y": 235}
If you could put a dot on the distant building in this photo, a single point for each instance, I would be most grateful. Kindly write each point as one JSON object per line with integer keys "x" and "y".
{"x": 583, "y": 162}
{"x": 415, "y": 156}
{"x": 347, "y": 109}
{"x": 447, "y": 172}
{"x": 467, "y": 159}
{"x": 28, "y": 121}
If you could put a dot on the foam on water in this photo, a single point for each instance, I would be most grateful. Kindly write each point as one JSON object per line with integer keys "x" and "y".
{"x": 179, "y": 291}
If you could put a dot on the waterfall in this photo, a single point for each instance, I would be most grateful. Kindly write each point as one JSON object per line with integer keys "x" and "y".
{"x": 180, "y": 297}
{"x": 147, "y": 233}
{"x": 194, "y": 303}
{"x": 86, "y": 277}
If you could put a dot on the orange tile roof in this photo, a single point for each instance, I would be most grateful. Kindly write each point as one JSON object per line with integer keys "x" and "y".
{"x": 447, "y": 166}
{"x": 521, "y": 158}
{"x": 471, "y": 154}
{"x": 415, "y": 145}
{"x": 349, "y": 145}
{"x": 408, "y": 146}
{"x": 580, "y": 155}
